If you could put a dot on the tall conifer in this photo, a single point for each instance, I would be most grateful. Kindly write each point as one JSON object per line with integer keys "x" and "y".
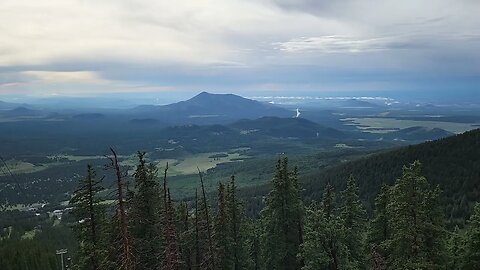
{"x": 145, "y": 216}
{"x": 89, "y": 216}
{"x": 281, "y": 217}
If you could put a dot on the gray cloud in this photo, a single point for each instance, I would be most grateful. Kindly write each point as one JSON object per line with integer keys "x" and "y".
{"x": 101, "y": 46}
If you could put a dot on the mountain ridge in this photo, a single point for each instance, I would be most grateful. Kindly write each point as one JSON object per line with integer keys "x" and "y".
{"x": 212, "y": 108}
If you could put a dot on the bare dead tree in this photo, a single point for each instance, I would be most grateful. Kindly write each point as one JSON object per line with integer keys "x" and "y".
{"x": 126, "y": 256}
{"x": 186, "y": 253}
{"x": 165, "y": 186}
{"x": 172, "y": 257}
{"x": 207, "y": 217}
{"x": 197, "y": 236}
{"x": 171, "y": 251}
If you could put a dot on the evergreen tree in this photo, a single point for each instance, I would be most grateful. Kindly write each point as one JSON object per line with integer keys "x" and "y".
{"x": 282, "y": 220}
{"x": 456, "y": 249}
{"x": 416, "y": 227}
{"x": 221, "y": 232}
{"x": 379, "y": 230}
{"x": 255, "y": 247}
{"x": 324, "y": 246}
{"x": 145, "y": 216}
{"x": 238, "y": 232}
{"x": 379, "y": 225}
{"x": 354, "y": 218}
{"x": 471, "y": 257}
{"x": 89, "y": 216}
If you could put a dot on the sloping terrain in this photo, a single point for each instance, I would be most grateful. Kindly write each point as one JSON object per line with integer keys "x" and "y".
{"x": 452, "y": 163}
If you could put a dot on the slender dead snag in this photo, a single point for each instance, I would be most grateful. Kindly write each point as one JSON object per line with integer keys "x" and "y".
{"x": 197, "y": 243}
{"x": 93, "y": 220}
{"x": 170, "y": 234}
{"x": 126, "y": 260}
{"x": 209, "y": 233}
{"x": 185, "y": 229}
{"x": 172, "y": 254}
{"x": 165, "y": 185}
{"x": 234, "y": 221}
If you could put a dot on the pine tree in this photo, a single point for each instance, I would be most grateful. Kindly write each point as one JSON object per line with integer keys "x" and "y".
{"x": 354, "y": 217}
{"x": 255, "y": 246}
{"x": 471, "y": 257}
{"x": 282, "y": 219}
{"x": 324, "y": 246}
{"x": 238, "y": 232}
{"x": 456, "y": 249}
{"x": 379, "y": 233}
{"x": 89, "y": 215}
{"x": 416, "y": 227}
{"x": 145, "y": 216}
{"x": 221, "y": 232}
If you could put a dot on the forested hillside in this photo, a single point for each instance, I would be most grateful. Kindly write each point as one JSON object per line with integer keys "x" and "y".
{"x": 145, "y": 229}
{"x": 452, "y": 163}
{"x": 390, "y": 210}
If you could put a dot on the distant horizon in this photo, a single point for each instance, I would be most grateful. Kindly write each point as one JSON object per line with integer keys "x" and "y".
{"x": 130, "y": 100}
{"x": 81, "y": 48}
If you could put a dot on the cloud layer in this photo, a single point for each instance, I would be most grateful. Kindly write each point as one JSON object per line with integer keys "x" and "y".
{"x": 85, "y": 46}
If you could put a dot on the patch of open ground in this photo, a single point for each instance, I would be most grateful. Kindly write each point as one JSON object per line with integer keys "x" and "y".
{"x": 385, "y": 125}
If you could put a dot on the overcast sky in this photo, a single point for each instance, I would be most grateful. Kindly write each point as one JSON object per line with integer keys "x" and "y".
{"x": 88, "y": 47}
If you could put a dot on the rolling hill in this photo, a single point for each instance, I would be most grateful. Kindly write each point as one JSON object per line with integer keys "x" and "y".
{"x": 418, "y": 134}
{"x": 286, "y": 127}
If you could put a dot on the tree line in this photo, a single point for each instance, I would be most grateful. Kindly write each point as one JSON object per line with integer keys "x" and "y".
{"x": 147, "y": 230}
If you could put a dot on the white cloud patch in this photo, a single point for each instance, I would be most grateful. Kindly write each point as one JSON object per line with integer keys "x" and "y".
{"x": 82, "y": 77}
{"x": 341, "y": 44}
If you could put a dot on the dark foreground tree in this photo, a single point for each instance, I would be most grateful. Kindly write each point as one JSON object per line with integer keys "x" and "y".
{"x": 144, "y": 221}
{"x": 120, "y": 252}
{"x": 89, "y": 215}
{"x": 324, "y": 246}
{"x": 238, "y": 230}
{"x": 354, "y": 218}
{"x": 471, "y": 257}
{"x": 417, "y": 236}
{"x": 282, "y": 220}
{"x": 222, "y": 232}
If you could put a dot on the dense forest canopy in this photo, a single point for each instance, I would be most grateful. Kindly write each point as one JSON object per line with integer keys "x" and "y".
{"x": 145, "y": 229}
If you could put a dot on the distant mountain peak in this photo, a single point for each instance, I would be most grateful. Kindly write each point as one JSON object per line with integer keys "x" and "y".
{"x": 206, "y": 95}
{"x": 213, "y": 108}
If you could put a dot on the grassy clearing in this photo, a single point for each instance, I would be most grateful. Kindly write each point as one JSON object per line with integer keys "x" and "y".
{"x": 18, "y": 167}
{"x": 385, "y": 125}
{"x": 203, "y": 161}
{"x": 74, "y": 158}
{"x": 346, "y": 146}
